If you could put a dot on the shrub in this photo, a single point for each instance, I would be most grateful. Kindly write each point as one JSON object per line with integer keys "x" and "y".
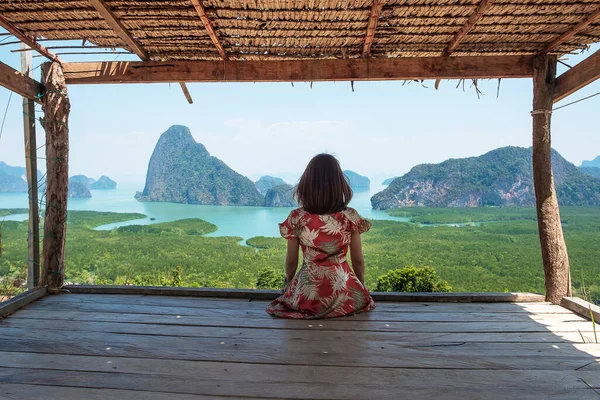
{"x": 270, "y": 278}
{"x": 412, "y": 279}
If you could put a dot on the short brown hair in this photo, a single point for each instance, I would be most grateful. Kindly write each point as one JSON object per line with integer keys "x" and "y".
{"x": 323, "y": 187}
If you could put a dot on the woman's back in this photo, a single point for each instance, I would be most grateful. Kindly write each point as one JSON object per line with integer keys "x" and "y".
{"x": 324, "y": 238}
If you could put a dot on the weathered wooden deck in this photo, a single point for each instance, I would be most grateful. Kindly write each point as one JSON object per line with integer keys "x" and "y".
{"x": 94, "y": 346}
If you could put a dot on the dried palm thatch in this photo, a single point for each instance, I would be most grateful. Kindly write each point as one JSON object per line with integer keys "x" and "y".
{"x": 306, "y": 29}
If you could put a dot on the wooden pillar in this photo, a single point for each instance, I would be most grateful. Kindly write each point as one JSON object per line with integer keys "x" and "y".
{"x": 33, "y": 236}
{"x": 554, "y": 250}
{"x": 56, "y": 107}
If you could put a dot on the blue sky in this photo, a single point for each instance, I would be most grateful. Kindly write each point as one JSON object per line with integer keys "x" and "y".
{"x": 382, "y": 129}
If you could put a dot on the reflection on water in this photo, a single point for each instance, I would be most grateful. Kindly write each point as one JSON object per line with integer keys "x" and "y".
{"x": 245, "y": 222}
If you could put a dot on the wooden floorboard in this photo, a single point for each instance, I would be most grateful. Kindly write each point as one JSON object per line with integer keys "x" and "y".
{"x": 10, "y": 391}
{"x": 260, "y": 314}
{"x": 88, "y": 346}
{"x": 347, "y": 324}
{"x": 236, "y": 304}
{"x": 300, "y": 334}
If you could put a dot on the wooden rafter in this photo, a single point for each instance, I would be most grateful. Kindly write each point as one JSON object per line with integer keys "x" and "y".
{"x": 464, "y": 30}
{"x": 116, "y": 25}
{"x": 121, "y": 31}
{"x": 209, "y": 28}
{"x": 301, "y": 70}
{"x": 28, "y": 40}
{"x": 577, "y": 77}
{"x": 592, "y": 18}
{"x": 19, "y": 83}
{"x": 479, "y": 12}
{"x": 372, "y": 26}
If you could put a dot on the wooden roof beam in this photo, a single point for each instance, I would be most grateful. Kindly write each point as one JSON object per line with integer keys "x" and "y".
{"x": 209, "y": 28}
{"x": 28, "y": 40}
{"x": 21, "y": 84}
{"x": 116, "y": 25}
{"x": 362, "y": 69}
{"x": 592, "y": 18}
{"x": 372, "y": 26}
{"x": 479, "y": 12}
{"x": 577, "y": 77}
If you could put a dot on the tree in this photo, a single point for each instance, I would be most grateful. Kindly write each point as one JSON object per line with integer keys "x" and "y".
{"x": 270, "y": 278}
{"x": 412, "y": 279}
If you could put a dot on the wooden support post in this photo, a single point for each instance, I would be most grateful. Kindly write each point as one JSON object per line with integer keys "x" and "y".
{"x": 56, "y": 106}
{"x": 33, "y": 236}
{"x": 554, "y": 250}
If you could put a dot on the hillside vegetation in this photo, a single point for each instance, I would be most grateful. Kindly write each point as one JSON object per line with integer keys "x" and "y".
{"x": 502, "y": 254}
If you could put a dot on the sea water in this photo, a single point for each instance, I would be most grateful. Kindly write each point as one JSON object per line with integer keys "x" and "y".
{"x": 241, "y": 221}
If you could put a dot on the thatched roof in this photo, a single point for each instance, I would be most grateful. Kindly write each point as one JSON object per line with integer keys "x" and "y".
{"x": 306, "y": 29}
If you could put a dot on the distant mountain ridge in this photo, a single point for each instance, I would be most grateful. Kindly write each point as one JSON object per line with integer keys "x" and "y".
{"x": 14, "y": 179}
{"x": 357, "y": 181}
{"x": 182, "y": 171}
{"x": 501, "y": 177}
{"x": 593, "y": 163}
{"x": 104, "y": 183}
{"x": 268, "y": 182}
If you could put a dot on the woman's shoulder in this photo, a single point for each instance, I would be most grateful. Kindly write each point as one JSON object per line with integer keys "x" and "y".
{"x": 351, "y": 213}
{"x": 357, "y": 223}
{"x": 296, "y": 212}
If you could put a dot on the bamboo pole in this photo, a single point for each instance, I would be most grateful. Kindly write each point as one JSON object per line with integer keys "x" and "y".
{"x": 56, "y": 107}
{"x": 33, "y": 236}
{"x": 554, "y": 250}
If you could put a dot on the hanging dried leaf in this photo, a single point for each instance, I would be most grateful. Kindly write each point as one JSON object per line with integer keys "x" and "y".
{"x": 477, "y": 91}
{"x": 498, "y": 89}
{"x": 352, "y": 85}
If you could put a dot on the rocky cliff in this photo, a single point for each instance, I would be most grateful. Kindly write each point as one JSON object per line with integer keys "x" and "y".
{"x": 267, "y": 182}
{"x": 79, "y": 187}
{"x": 281, "y": 196}
{"x": 182, "y": 171}
{"x": 502, "y": 177}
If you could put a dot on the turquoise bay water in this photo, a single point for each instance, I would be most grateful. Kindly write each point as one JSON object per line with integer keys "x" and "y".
{"x": 245, "y": 222}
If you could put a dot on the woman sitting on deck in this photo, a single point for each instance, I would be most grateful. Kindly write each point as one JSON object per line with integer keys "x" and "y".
{"x": 324, "y": 227}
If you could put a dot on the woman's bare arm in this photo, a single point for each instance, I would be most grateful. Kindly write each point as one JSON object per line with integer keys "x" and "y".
{"x": 356, "y": 255}
{"x": 291, "y": 259}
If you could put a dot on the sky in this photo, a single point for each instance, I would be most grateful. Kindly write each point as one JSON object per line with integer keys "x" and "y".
{"x": 380, "y": 130}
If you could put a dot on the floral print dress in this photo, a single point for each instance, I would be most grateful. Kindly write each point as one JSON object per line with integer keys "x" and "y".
{"x": 325, "y": 286}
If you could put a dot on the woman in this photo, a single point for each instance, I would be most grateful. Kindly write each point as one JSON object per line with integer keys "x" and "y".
{"x": 325, "y": 227}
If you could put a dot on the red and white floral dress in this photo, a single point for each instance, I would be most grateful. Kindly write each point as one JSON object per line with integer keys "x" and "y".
{"x": 325, "y": 286}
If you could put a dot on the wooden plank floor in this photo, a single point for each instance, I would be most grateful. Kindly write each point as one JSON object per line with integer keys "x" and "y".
{"x": 82, "y": 346}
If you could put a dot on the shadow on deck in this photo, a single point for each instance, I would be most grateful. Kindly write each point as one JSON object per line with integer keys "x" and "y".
{"x": 101, "y": 346}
